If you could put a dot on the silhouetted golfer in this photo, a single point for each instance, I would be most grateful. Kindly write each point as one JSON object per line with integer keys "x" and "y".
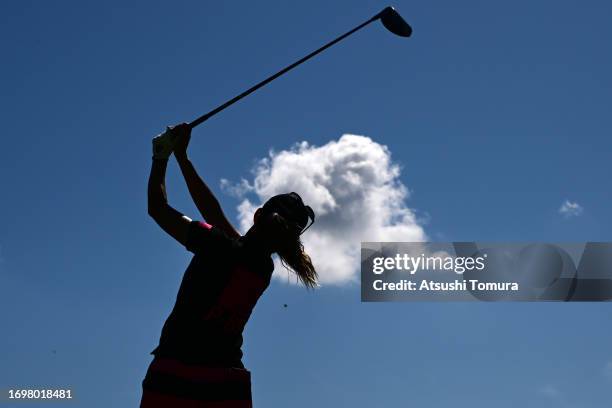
{"x": 198, "y": 362}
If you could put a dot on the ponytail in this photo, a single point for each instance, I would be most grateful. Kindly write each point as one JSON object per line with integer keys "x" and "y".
{"x": 290, "y": 249}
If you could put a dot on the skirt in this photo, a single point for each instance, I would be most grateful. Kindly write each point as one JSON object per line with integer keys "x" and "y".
{"x": 172, "y": 383}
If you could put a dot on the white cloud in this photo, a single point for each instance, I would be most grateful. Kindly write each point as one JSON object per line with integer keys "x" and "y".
{"x": 570, "y": 209}
{"x": 236, "y": 189}
{"x": 354, "y": 188}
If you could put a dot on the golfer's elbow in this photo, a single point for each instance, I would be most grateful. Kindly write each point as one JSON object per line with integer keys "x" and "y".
{"x": 153, "y": 212}
{"x": 155, "y": 208}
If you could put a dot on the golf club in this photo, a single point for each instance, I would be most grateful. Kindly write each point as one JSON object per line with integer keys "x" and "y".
{"x": 389, "y": 18}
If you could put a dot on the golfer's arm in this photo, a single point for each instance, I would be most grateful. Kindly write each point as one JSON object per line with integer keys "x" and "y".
{"x": 169, "y": 219}
{"x": 204, "y": 199}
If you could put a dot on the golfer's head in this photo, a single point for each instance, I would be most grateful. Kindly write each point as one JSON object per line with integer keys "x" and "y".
{"x": 280, "y": 222}
{"x": 291, "y": 209}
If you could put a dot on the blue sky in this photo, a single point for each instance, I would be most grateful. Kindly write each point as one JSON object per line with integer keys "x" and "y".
{"x": 497, "y": 113}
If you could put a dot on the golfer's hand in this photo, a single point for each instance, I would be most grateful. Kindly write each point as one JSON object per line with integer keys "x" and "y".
{"x": 183, "y": 136}
{"x": 163, "y": 144}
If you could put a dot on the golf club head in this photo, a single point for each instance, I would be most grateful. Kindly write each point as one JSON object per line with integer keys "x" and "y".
{"x": 394, "y": 22}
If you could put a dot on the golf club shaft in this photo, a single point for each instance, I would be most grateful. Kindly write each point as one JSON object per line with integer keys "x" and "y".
{"x": 213, "y": 112}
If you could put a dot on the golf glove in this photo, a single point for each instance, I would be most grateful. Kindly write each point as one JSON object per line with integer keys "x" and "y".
{"x": 163, "y": 144}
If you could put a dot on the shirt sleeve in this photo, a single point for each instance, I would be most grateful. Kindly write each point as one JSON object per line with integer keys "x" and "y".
{"x": 205, "y": 237}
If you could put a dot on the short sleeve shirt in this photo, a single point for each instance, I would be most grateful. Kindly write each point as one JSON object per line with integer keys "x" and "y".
{"x": 219, "y": 290}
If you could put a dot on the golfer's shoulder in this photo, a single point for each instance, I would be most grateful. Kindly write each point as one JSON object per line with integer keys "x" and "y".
{"x": 202, "y": 235}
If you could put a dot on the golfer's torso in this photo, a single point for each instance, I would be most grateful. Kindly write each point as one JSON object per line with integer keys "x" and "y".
{"x": 215, "y": 300}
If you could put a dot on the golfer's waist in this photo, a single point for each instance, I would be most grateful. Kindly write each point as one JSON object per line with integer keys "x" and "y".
{"x": 210, "y": 357}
